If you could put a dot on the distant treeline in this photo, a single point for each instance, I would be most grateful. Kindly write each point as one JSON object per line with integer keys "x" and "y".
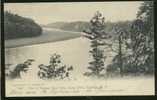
{"x": 80, "y": 26}
{"x": 16, "y": 26}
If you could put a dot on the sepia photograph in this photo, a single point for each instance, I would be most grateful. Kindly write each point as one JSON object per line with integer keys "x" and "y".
{"x": 79, "y": 48}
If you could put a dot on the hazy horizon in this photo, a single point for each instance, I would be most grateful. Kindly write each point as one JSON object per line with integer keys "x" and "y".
{"x": 45, "y": 13}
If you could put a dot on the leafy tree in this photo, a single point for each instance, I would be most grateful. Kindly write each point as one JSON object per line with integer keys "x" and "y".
{"x": 143, "y": 39}
{"x": 96, "y": 34}
{"x": 55, "y": 69}
{"x": 142, "y": 47}
{"x": 140, "y": 58}
{"x": 146, "y": 14}
{"x": 121, "y": 41}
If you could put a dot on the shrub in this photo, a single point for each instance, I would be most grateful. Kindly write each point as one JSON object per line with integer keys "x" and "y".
{"x": 55, "y": 69}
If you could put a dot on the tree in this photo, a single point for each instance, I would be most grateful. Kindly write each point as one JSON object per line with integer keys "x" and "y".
{"x": 146, "y": 14}
{"x": 120, "y": 47}
{"x": 96, "y": 34}
{"x": 143, "y": 39}
{"x": 55, "y": 69}
{"x": 140, "y": 58}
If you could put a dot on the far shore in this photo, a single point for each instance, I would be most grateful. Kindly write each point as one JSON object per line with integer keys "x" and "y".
{"x": 46, "y": 37}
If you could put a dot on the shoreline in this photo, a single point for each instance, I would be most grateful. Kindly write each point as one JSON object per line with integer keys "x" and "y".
{"x": 36, "y": 43}
{"x": 46, "y": 37}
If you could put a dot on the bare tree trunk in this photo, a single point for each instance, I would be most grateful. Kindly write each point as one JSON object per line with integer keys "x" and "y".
{"x": 120, "y": 56}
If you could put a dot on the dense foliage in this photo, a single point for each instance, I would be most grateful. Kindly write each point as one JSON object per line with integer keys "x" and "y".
{"x": 16, "y": 26}
{"x": 139, "y": 57}
{"x": 143, "y": 39}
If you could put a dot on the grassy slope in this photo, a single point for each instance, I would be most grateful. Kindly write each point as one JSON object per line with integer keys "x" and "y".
{"x": 48, "y": 36}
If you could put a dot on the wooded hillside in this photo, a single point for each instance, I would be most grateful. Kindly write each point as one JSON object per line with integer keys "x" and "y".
{"x": 16, "y": 26}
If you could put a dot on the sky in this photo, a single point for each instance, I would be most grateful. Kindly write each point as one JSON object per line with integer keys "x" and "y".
{"x": 45, "y": 13}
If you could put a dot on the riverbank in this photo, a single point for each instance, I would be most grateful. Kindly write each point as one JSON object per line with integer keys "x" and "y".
{"x": 49, "y": 35}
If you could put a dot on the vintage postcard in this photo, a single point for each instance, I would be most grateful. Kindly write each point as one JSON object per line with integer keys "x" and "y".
{"x": 79, "y": 48}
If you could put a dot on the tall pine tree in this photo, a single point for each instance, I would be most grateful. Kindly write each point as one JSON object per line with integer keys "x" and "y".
{"x": 96, "y": 34}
